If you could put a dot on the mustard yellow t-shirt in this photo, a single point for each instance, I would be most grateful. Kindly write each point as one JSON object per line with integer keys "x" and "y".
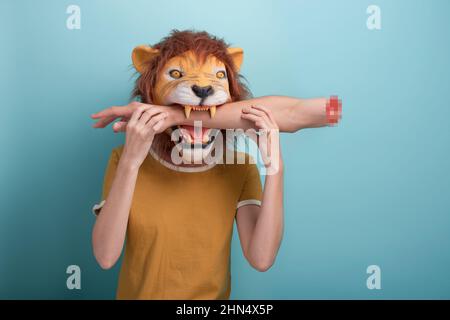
{"x": 180, "y": 227}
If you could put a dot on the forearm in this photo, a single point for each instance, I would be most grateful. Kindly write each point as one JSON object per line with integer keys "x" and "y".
{"x": 291, "y": 114}
{"x": 268, "y": 231}
{"x": 110, "y": 227}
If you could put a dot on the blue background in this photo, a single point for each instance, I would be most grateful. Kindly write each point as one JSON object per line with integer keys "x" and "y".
{"x": 373, "y": 190}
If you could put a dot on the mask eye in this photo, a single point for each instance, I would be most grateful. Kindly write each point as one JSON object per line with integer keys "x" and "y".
{"x": 176, "y": 74}
{"x": 220, "y": 75}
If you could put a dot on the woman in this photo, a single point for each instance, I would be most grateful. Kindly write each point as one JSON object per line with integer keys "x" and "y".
{"x": 182, "y": 224}
{"x": 178, "y": 218}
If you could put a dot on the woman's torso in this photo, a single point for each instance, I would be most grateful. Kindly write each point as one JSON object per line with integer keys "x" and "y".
{"x": 179, "y": 232}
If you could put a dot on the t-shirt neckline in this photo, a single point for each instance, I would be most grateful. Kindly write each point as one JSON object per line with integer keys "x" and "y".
{"x": 179, "y": 168}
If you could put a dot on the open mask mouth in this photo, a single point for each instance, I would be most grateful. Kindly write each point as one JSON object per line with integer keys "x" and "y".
{"x": 211, "y": 109}
{"x": 189, "y": 108}
{"x": 190, "y": 137}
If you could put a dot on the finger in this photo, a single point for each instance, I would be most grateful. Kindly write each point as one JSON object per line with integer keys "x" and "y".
{"x": 268, "y": 122}
{"x": 103, "y": 122}
{"x": 159, "y": 125}
{"x": 257, "y": 120}
{"x": 137, "y": 114}
{"x": 259, "y": 113}
{"x": 251, "y": 117}
{"x": 267, "y": 111}
{"x": 115, "y": 111}
{"x": 269, "y": 116}
{"x": 153, "y": 112}
{"x": 264, "y": 110}
{"x": 260, "y": 124}
{"x": 145, "y": 116}
{"x": 251, "y": 109}
{"x": 246, "y": 109}
{"x": 155, "y": 119}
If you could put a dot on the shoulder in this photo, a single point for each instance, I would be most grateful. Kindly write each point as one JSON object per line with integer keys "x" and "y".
{"x": 117, "y": 151}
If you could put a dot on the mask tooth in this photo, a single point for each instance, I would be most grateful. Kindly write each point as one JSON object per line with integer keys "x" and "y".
{"x": 187, "y": 111}
{"x": 205, "y": 138}
{"x": 212, "y": 111}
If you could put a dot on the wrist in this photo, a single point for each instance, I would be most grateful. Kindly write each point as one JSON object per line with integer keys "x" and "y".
{"x": 276, "y": 166}
{"x": 280, "y": 167}
{"x": 176, "y": 116}
{"x": 127, "y": 164}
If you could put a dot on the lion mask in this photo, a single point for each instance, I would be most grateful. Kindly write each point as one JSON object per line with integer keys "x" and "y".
{"x": 192, "y": 70}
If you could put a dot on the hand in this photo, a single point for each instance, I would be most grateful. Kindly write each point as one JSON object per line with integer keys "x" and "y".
{"x": 110, "y": 114}
{"x": 144, "y": 123}
{"x": 268, "y": 136}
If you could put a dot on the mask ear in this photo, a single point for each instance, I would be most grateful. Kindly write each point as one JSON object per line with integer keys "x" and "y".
{"x": 142, "y": 55}
{"x": 237, "y": 55}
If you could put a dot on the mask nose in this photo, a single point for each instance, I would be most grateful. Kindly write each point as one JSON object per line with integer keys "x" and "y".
{"x": 202, "y": 92}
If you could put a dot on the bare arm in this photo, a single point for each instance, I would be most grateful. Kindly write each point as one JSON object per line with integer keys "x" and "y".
{"x": 261, "y": 228}
{"x": 291, "y": 114}
{"x": 109, "y": 231}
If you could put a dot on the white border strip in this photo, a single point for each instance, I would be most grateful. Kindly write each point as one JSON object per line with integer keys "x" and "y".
{"x": 98, "y": 207}
{"x": 180, "y": 168}
{"x": 248, "y": 202}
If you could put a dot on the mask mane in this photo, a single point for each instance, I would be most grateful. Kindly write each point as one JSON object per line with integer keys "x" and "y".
{"x": 202, "y": 44}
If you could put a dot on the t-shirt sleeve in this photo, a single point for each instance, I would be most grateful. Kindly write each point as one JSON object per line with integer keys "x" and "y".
{"x": 252, "y": 189}
{"x": 107, "y": 181}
